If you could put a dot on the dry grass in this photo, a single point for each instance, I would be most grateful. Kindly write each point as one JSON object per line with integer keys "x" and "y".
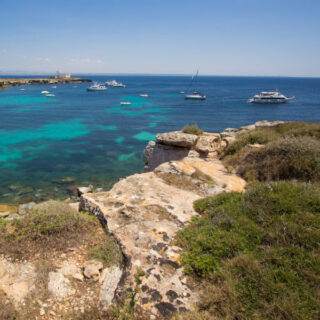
{"x": 50, "y": 226}
{"x": 192, "y": 129}
{"x": 286, "y": 158}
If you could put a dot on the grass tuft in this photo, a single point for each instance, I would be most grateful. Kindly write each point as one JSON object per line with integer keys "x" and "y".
{"x": 192, "y": 129}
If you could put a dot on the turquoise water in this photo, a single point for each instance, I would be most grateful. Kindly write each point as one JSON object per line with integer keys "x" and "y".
{"x": 48, "y": 145}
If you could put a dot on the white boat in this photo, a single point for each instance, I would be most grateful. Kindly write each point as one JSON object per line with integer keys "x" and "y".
{"x": 111, "y": 82}
{"x": 125, "y": 102}
{"x": 22, "y": 89}
{"x": 270, "y": 97}
{"x": 54, "y": 87}
{"x": 182, "y": 92}
{"x": 195, "y": 95}
{"x": 119, "y": 85}
{"x": 97, "y": 87}
{"x": 144, "y": 95}
{"x": 44, "y": 92}
{"x": 50, "y": 95}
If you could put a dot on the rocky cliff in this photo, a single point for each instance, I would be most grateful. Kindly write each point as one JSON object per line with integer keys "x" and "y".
{"x": 143, "y": 213}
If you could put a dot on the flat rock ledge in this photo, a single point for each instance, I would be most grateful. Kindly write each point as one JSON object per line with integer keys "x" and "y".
{"x": 145, "y": 211}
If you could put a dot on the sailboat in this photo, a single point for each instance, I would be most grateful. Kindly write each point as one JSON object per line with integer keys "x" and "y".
{"x": 195, "y": 95}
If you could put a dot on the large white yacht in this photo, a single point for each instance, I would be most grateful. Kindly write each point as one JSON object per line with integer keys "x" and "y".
{"x": 270, "y": 97}
{"x": 97, "y": 87}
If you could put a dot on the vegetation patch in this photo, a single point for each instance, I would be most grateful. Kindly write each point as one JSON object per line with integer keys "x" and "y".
{"x": 288, "y": 151}
{"x": 257, "y": 253}
{"x": 192, "y": 129}
{"x": 108, "y": 252}
{"x": 49, "y": 225}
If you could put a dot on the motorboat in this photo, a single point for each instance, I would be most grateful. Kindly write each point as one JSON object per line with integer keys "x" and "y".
{"x": 97, "y": 87}
{"x": 195, "y": 96}
{"x": 54, "y": 87}
{"x": 182, "y": 92}
{"x": 44, "y": 92}
{"x": 50, "y": 95}
{"x": 270, "y": 97}
{"x": 22, "y": 89}
{"x": 144, "y": 95}
{"x": 119, "y": 85}
{"x": 125, "y": 102}
{"x": 111, "y": 82}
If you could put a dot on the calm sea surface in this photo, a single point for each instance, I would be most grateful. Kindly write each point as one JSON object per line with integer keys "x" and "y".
{"x": 78, "y": 137}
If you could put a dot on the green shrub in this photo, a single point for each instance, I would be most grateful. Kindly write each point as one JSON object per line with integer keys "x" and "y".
{"x": 286, "y": 158}
{"x": 257, "y": 252}
{"x": 108, "y": 252}
{"x": 193, "y": 129}
{"x": 266, "y": 135}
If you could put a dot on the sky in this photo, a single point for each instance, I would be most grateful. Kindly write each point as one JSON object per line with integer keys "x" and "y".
{"x": 218, "y": 37}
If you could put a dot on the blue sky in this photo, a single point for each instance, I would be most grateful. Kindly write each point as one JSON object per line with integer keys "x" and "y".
{"x": 218, "y": 37}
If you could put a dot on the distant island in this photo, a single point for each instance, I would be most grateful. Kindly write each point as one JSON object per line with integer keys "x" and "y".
{"x": 59, "y": 78}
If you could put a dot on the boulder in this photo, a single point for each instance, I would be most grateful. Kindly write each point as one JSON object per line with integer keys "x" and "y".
{"x": 157, "y": 153}
{"x": 59, "y": 285}
{"x": 83, "y": 190}
{"x": 91, "y": 269}
{"x": 71, "y": 269}
{"x": 177, "y": 139}
{"x": 208, "y": 143}
{"x": 110, "y": 278}
{"x": 26, "y": 207}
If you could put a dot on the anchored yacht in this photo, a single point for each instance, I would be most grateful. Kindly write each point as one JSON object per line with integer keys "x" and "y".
{"x": 270, "y": 97}
{"x": 195, "y": 95}
{"x": 97, "y": 87}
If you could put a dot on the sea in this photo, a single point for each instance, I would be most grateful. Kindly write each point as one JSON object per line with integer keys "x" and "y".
{"x": 50, "y": 145}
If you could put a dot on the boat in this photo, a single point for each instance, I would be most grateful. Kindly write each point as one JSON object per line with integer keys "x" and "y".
{"x": 111, "y": 82}
{"x": 125, "y": 102}
{"x": 22, "y": 89}
{"x": 182, "y": 92}
{"x": 144, "y": 95}
{"x": 97, "y": 87}
{"x": 119, "y": 85}
{"x": 50, "y": 95}
{"x": 44, "y": 92}
{"x": 270, "y": 97}
{"x": 54, "y": 87}
{"x": 195, "y": 95}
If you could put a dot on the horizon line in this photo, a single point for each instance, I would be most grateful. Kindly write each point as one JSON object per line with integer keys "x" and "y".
{"x": 25, "y": 73}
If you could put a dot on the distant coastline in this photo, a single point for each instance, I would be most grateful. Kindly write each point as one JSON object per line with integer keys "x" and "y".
{"x": 11, "y": 82}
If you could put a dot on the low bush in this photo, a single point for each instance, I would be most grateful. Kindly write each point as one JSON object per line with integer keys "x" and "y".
{"x": 257, "y": 253}
{"x": 266, "y": 135}
{"x": 51, "y": 224}
{"x": 107, "y": 252}
{"x": 286, "y": 158}
{"x": 193, "y": 129}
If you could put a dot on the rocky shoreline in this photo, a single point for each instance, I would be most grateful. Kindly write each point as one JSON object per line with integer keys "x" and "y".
{"x": 11, "y": 82}
{"x": 143, "y": 212}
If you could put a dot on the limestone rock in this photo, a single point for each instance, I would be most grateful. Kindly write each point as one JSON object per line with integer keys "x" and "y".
{"x": 207, "y": 143}
{"x": 177, "y": 139}
{"x": 92, "y": 269}
{"x": 157, "y": 153}
{"x": 59, "y": 285}
{"x": 83, "y": 190}
{"x": 71, "y": 269}
{"x": 24, "y": 208}
{"x": 7, "y": 209}
{"x": 266, "y": 124}
{"x": 110, "y": 278}
{"x": 75, "y": 205}
{"x": 17, "y": 280}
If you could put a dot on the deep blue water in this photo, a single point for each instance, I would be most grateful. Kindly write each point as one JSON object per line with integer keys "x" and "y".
{"x": 88, "y": 137}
